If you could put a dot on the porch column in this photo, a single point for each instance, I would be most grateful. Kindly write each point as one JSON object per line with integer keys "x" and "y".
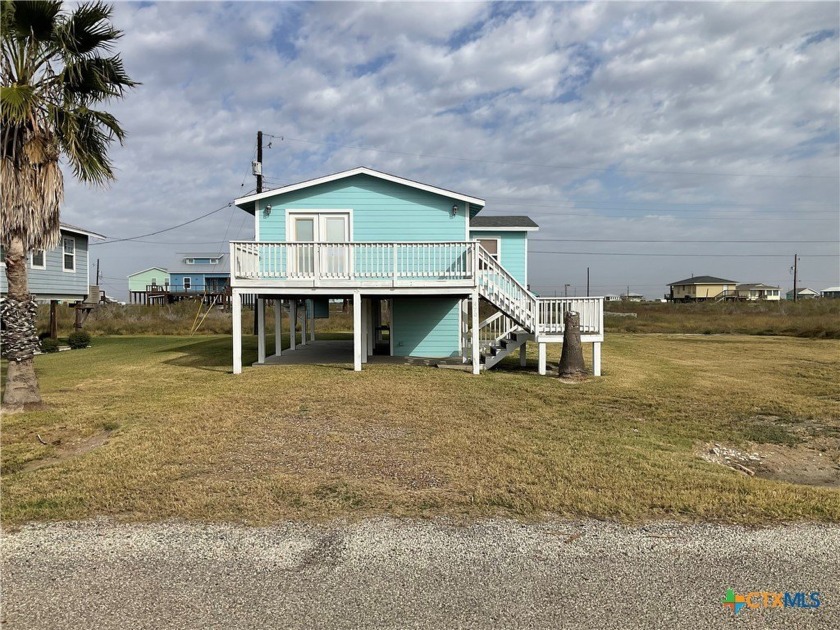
{"x": 293, "y": 323}
{"x": 357, "y": 332}
{"x": 523, "y": 349}
{"x": 596, "y": 359}
{"x": 476, "y": 357}
{"x": 303, "y": 323}
{"x": 542, "y": 346}
{"x": 365, "y": 313}
{"x": 465, "y": 328}
{"x": 278, "y": 326}
{"x": 236, "y": 317}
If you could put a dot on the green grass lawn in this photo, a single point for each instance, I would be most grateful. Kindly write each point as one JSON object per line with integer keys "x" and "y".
{"x": 149, "y": 428}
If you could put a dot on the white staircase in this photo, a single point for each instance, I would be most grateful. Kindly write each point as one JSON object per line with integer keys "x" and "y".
{"x": 521, "y": 316}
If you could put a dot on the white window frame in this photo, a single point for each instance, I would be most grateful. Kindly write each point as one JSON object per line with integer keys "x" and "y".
{"x": 43, "y": 264}
{"x": 64, "y": 254}
{"x": 187, "y": 281}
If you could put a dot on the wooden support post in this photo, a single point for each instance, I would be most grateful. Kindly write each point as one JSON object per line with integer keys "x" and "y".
{"x": 357, "y": 332}
{"x": 542, "y": 349}
{"x": 476, "y": 357}
{"x": 260, "y": 330}
{"x": 236, "y": 316}
{"x": 278, "y": 326}
{"x": 303, "y": 323}
{"x": 77, "y": 325}
{"x": 523, "y": 350}
{"x": 53, "y": 319}
{"x": 312, "y": 323}
{"x": 293, "y": 324}
{"x": 596, "y": 358}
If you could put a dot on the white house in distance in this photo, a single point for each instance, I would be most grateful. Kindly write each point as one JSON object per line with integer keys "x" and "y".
{"x": 803, "y": 294}
{"x": 831, "y": 292}
{"x": 758, "y": 291}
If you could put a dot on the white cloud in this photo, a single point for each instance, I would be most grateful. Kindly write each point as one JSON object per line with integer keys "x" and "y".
{"x": 536, "y": 99}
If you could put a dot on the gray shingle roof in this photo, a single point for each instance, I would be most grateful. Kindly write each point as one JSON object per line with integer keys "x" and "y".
{"x": 509, "y": 221}
{"x": 702, "y": 280}
{"x": 179, "y": 266}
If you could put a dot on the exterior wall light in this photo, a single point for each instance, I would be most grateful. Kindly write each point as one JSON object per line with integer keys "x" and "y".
{"x": 267, "y": 211}
{"x": 454, "y": 209}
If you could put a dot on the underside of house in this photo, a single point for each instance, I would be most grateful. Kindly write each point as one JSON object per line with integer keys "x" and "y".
{"x": 426, "y": 277}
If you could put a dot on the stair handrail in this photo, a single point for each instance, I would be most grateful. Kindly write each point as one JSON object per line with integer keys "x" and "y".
{"x": 490, "y": 265}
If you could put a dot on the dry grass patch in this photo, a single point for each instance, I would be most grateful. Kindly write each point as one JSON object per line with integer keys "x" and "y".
{"x": 189, "y": 440}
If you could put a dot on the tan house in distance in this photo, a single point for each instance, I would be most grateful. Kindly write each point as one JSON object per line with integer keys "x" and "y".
{"x": 701, "y": 288}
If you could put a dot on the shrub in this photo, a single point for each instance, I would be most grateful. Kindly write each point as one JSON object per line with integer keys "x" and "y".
{"x": 79, "y": 339}
{"x": 49, "y": 345}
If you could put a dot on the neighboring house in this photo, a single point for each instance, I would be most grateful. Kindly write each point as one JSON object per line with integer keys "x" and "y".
{"x": 141, "y": 282}
{"x": 200, "y": 272}
{"x": 831, "y": 292}
{"x": 611, "y": 298}
{"x": 60, "y": 273}
{"x": 701, "y": 288}
{"x": 413, "y": 251}
{"x": 632, "y": 297}
{"x": 803, "y": 294}
{"x": 758, "y": 291}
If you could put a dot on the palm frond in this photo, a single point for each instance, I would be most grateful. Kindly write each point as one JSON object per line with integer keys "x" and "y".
{"x": 88, "y": 29}
{"x": 34, "y": 19}
{"x": 95, "y": 79}
{"x": 16, "y": 104}
{"x": 85, "y": 135}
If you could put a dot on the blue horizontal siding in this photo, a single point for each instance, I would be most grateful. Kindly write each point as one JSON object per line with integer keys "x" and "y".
{"x": 54, "y": 282}
{"x": 426, "y": 327}
{"x": 381, "y": 211}
{"x": 198, "y": 281}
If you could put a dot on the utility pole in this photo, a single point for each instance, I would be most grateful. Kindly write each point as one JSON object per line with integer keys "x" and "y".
{"x": 257, "y": 169}
{"x": 258, "y": 163}
{"x": 795, "y": 269}
{"x": 566, "y": 289}
{"x": 587, "y": 282}
{"x": 97, "y": 272}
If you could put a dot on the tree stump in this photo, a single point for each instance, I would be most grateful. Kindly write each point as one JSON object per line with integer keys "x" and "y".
{"x": 571, "y": 357}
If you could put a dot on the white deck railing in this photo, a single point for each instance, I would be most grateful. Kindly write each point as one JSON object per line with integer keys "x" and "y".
{"x": 358, "y": 262}
{"x": 553, "y": 310}
{"x": 413, "y": 263}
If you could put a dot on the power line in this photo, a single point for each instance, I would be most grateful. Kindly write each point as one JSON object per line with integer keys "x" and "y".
{"x": 532, "y": 251}
{"x": 668, "y": 240}
{"x": 544, "y": 166}
{"x": 169, "y": 229}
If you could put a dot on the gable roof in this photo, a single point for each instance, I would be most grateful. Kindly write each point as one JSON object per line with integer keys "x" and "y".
{"x": 137, "y": 273}
{"x": 77, "y": 230}
{"x": 246, "y": 202}
{"x": 505, "y": 223}
{"x": 702, "y": 280}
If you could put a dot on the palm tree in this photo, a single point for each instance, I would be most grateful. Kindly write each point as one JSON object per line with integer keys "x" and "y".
{"x": 56, "y": 68}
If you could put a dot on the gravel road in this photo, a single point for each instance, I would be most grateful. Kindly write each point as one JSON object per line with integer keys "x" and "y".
{"x": 387, "y": 573}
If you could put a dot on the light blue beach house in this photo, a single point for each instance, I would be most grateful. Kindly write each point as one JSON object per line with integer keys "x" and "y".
{"x": 453, "y": 284}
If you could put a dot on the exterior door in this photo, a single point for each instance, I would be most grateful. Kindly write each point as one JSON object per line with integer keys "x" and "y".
{"x": 323, "y": 259}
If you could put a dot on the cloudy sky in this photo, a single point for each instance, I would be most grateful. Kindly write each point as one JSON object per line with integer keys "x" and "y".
{"x": 649, "y": 141}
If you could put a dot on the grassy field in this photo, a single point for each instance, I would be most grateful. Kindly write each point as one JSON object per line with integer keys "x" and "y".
{"x": 805, "y": 318}
{"x": 150, "y": 428}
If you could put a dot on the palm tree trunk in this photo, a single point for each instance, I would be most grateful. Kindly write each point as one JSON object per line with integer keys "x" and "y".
{"x": 20, "y": 337}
